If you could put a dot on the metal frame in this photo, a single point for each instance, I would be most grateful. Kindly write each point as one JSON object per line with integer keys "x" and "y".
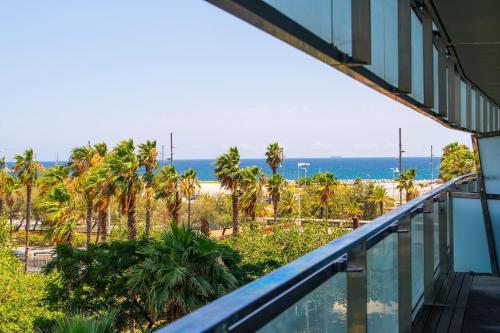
{"x": 484, "y": 205}
{"x": 357, "y": 295}
{"x": 253, "y": 305}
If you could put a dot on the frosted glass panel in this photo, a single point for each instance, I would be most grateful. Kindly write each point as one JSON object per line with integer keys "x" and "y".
{"x": 468, "y": 229}
{"x": 315, "y": 16}
{"x": 417, "y": 59}
{"x": 417, "y": 258}
{"x": 382, "y": 279}
{"x": 322, "y": 310}
{"x": 494, "y": 210}
{"x": 342, "y": 33}
{"x": 489, "y": 149}
{"x": 384, "y": 24}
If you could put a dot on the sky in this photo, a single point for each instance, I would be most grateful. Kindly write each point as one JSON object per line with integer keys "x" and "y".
{"x": 74, "y": 71}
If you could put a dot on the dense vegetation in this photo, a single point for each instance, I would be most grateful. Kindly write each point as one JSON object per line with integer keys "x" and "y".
{"x": 137, "y": 247}
{"x": 457, "y": 160}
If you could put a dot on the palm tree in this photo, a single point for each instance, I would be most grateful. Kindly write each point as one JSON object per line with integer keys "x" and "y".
{"x": 325, "y": 183}
{"x": 406, "y": 183}
{"x": 182, "y": 271}
{"x": 62, "y": 211}
{"x": 124, "y": 166}
{"x": 81, "y": 160}
{"x": 275, "y": 186}
{"x": 188, "y": 186}
{"x": 98, "y": 184}
{"x": 227, "y": 170}
{"x": 380, "y": 197}
{"x": 27, "y": 170}
{"x": 274, "y": 156}
{"x": 167, "y": 189}
{"x": 83, "y": 324}
{"x": 354, "y": 212}
{"x": 11, "y": 191}
{"x": 147, "y": 159}
{"x": 4, "y": 175}
{"x": 253, "y": 180}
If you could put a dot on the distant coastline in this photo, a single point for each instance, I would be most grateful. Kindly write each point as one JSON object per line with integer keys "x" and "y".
{"x": 344, "y": 168}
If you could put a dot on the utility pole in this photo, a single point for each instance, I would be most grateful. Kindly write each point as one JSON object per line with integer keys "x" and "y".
{"x": 171, "y": 149}
{"x": 400, "y": 166}
{"x": 432, "y": 169}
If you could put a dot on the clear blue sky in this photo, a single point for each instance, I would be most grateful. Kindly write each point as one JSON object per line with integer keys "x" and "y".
{"x": 73, "y": 71}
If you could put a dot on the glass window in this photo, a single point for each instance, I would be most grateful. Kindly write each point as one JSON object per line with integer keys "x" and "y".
{"x": 463, "y": 103}
{"x": 315, "y": 16}
{"x": 473, "y": 109}
{"x": 342, "y": 32}
{"x": 481, "y": 113}
{"x": 384, "y": 43}
{"x": 435, "y": 68}
{"x": 417, "y": 59}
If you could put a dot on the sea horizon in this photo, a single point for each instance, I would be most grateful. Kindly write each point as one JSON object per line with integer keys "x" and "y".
{"x": 344, "y": 168}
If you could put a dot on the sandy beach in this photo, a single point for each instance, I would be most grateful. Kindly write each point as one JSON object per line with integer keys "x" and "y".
{"x": 424, "y": 186}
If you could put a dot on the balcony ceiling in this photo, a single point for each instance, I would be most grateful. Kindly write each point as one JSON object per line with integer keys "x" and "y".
{"x": 474, "y": 30}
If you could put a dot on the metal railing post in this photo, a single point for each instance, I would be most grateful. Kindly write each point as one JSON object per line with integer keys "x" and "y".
{"x": 443, "y": 234}
{"x": 404, "y": 274}
{"x": 428, "y": 250}
{"x": 357, "y": 289}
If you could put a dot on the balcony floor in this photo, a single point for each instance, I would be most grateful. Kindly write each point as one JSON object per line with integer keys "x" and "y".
{"x": 464, "y": 303}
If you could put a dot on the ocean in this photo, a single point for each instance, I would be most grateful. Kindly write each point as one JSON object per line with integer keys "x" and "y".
{"x": 343, "y": 168}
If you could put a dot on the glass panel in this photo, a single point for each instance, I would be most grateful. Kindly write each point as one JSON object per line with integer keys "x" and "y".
{"x": 489, "y": 149}
{"x": 494, "y": 209}
{"x": 384, "y": 25}
{"x": 436, "y": 235}
{"x": 473, "y": 109}
{"x": 470, "y": 248}
{"x": 322, "y": 310}
{"x": 417, "y": 258}
{"x": 417, "y": 59}
{"x": 435, "y": 57}
{"x": 342, "y": 33}
{"x": 463, "y": 103}
{"x": 382, "y": 279}
{"x": 315, "y": 16}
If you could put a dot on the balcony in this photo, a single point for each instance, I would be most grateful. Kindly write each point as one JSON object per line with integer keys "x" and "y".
{"x": 408, "y": 270}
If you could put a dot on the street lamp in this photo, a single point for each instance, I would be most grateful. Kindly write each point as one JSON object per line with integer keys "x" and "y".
{"x": 301, "y": 165}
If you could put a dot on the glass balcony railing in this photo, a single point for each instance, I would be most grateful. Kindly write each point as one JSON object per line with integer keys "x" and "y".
{"x": 374, "y": 279}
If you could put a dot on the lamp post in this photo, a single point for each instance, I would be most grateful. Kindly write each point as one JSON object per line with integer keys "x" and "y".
{"x": 299, "y": 166}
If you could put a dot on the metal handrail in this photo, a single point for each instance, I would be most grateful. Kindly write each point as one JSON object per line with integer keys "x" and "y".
{"x": 220, "y": 314}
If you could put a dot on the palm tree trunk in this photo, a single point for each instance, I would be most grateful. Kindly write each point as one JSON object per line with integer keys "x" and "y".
{"x": 103, "y": 216}
{"x": 11, "y": 217}
{"x": 275, "y": 211}
{"x": 235, "y": 212}
{"x": 189, "y": 212}
{"x": 69, "y": 238}
{"x": 88, "y": 218}
{"x": 148, "y": 219}
{"x": 1, "y": 206}
{"x": 98, "y": 233}
{"x": 205, "y": 228}
{"x": 355, "y": 222}
{"x": 131, "y": 223}
{"x": 381, "y": 208}
{"x": 26, "y": 227}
